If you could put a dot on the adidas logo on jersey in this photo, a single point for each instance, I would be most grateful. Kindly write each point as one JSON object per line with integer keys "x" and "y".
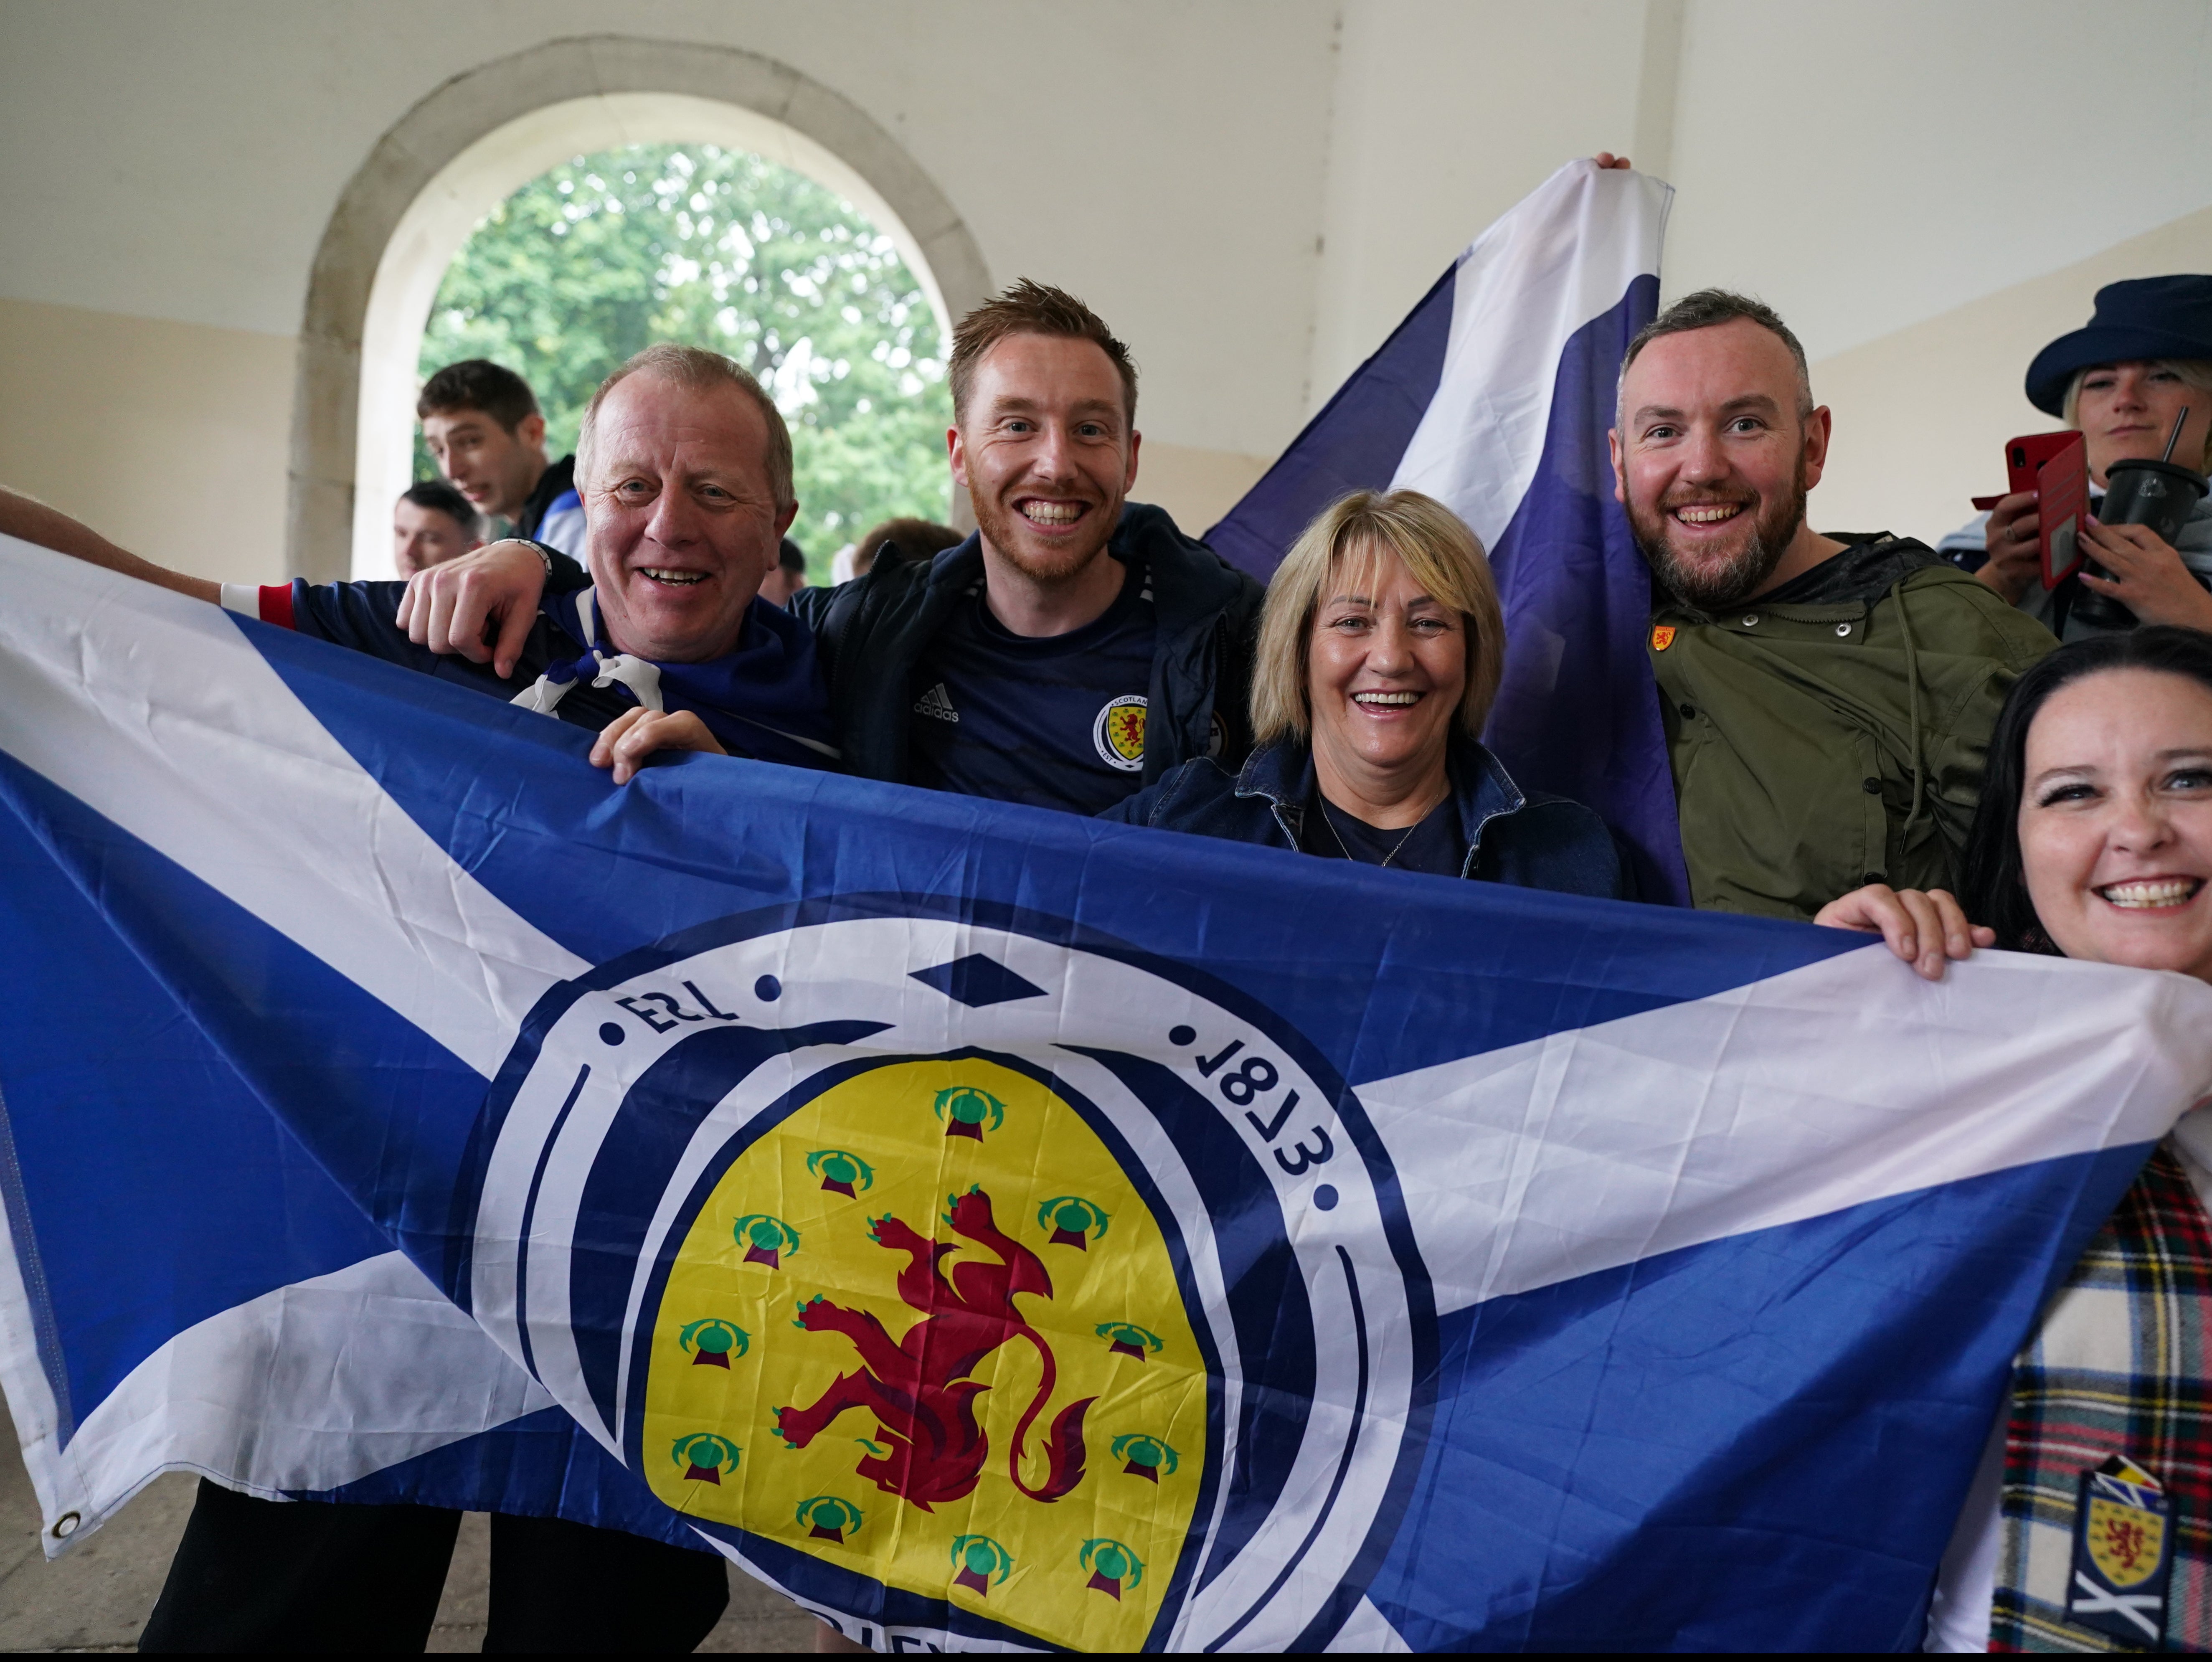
{"x": 936, "y": 703}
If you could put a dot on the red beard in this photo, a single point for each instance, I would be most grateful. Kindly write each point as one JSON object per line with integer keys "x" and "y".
{"x": 1004, "y": 528}
{"x": 1722, "y": 582}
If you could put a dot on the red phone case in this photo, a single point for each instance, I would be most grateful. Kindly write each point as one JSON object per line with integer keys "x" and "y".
{"x": 2055, "y": 467}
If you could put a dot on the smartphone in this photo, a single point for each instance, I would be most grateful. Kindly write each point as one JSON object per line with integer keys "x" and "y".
{"x": 2056, "y": 467}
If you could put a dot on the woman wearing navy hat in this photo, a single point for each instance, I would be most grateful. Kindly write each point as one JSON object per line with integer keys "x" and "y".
{"x": 2146, "y": 355}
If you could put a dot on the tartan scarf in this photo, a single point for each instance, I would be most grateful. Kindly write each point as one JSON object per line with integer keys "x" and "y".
{"x": 2120, "y": 1365}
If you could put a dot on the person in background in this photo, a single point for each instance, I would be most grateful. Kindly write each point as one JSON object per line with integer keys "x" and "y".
{"x": 919, "y": 540}
{"x": 2094, "y": 841}
{"x": 432, "y": 523}
{"x": 482, "y": 425}
{"x": 788, "y": 577}
{"x": 1826, "y": 700}
{"x": 2121, "y": 382}
{"x": 1382, "y": 644}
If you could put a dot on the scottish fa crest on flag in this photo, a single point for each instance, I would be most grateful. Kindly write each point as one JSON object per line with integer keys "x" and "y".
{"x": 945, "y": 1252}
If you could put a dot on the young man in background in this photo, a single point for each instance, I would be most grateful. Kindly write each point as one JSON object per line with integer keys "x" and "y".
{"x": 788, "y": 577}
{"x": 431, "y": 523}
{"x": 482, "y": 425}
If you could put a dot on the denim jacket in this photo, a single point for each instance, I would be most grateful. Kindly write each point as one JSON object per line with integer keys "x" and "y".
{"x": 1516, "y": 836}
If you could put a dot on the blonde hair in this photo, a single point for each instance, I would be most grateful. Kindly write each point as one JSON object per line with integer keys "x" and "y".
{"x": 693, "y": 369}
{"x": 2193, "y": 372}
{"x": 1440, "y": 553}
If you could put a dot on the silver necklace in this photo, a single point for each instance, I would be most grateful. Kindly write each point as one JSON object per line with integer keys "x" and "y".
{"x": 1339, "y": 836}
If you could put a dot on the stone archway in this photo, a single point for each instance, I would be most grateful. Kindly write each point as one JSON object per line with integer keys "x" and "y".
{"x": 484, "y": 134}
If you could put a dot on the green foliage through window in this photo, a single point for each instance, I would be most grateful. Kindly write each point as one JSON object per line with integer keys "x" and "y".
{"x": 599, "y": 258}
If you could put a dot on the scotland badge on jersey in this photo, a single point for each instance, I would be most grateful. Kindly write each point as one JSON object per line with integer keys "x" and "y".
{"x": 920, "y": 1263}
{"x": 2123, "y": 1554}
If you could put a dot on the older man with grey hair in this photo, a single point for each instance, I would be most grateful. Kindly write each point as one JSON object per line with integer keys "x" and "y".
{"x": 683, "y": 465}
{"x": 685, "y": 470}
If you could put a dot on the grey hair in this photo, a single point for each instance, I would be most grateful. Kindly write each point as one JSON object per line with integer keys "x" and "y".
{"x": 1708, "y": 308}
{"x": 695, "y": 369}
{"x": 2194, "y": 372}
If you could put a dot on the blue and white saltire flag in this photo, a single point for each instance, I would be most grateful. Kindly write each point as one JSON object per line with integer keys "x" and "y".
{"x": 994, "y": 1228}
{"x": 1495, "y": 395}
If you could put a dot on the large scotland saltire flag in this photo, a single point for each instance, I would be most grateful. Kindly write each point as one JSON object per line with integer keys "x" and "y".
{"x": 1495, "y": 395}
{"x": 995, "y": 1229}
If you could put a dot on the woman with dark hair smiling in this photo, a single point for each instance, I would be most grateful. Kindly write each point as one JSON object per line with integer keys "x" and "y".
{"x": 2093, "y": 841}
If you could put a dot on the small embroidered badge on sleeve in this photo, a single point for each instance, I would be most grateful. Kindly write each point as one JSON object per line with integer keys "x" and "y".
{"x": 1663, "y": 636}
{"x": 2123, "y": 1554}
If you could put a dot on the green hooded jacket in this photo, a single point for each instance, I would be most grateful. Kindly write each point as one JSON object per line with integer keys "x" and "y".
{"x": 1832, "y": 732}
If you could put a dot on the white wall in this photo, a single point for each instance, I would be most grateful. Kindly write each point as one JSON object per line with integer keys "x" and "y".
{"x": 1865, "y": 166}
{"x": 181, "y": 160}
{"x": 1252, "y": 190}
{"x": 1448, "y": 113}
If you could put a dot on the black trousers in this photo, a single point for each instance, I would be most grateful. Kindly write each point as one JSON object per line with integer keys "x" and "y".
{"x": 308, "y": 1576}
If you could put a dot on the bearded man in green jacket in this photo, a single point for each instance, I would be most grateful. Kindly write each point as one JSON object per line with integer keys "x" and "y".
{"x": 1827, "y": 700}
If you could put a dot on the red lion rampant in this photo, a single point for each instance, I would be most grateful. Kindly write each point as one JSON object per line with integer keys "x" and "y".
{"x": 918, "y": 1388}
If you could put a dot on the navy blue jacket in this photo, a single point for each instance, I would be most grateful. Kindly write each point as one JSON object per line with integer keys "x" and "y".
{"x": 1516, "y": 836}
{"x": 872, "y": 632}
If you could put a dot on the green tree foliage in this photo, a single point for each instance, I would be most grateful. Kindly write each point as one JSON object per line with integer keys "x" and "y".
{"x": 595, "y": 260}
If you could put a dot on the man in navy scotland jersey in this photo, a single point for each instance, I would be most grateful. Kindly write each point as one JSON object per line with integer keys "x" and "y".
{"x": 687, "y": 472}
{"x": 1074, "y": 650}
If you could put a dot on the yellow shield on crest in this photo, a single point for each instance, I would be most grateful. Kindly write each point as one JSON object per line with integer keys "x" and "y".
{"x": 1118, "y": 732}
{"x": 927, "y": 1329}
{"x": 2126, "y": 1542}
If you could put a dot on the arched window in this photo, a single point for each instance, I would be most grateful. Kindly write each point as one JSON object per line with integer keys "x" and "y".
{"x": 607, "y": 253}
{"x": 476, "y": 142}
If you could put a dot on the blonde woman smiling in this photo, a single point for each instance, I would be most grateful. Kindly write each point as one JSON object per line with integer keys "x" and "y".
{"x": 1381, "y": 647}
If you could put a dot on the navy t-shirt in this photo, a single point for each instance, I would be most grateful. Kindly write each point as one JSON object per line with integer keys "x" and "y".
{"x": 1056, "y": 722}
{"x": 1438, "y": 845}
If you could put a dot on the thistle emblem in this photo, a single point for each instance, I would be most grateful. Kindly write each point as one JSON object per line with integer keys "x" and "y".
{"x": 1112, "y": 1567}
{"x": 981, "y": 1560}
{"x": 711, "y": 1340}
{"x": 829, "y": 1518}
{"x": 1128, "y": 1339}
{"x": 1073, "y": 1222}
{"x": 703, "y": 1455}
{"x": 963, "y": 1108}
{"x": 840, "y": 1171}
{"x": 767, "y": 1240}
{"x": 1146, "y": 1456}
